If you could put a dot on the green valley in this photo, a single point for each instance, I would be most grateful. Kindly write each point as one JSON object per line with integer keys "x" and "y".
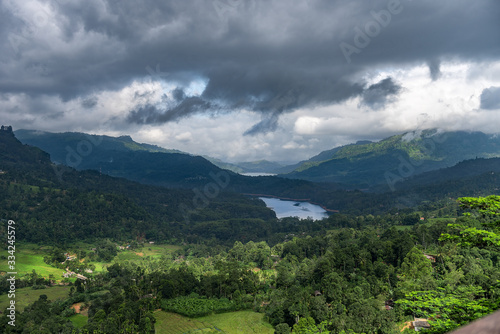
{"x": 136, "y": 263}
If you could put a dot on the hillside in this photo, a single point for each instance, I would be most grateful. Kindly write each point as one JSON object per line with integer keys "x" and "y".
{"x": 58, "y": 142}
{"x": 260, "y": 166}
{"x": 468, "y": 169}
{"x": 122, "y": 157}
{"x": 59, "y": 204}
{"x": 317, "y": 159}
{"x": 367, "y": 164}
{"x": 186, "y": 171}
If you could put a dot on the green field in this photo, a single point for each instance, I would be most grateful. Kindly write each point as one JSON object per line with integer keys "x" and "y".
{"x": 26, "y": 296}
{"x": 136, "y": 256}
{"x": 227, "y": 323}
{"x": 78, "y": 320}
{"x": 29, "y": 257}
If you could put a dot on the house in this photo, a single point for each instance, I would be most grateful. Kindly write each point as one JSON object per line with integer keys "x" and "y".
{"x": 420, "y": 324}
{"x": 68, "y": 274}
{"x": 430, "y": 257}
{"x": 317, "y": 293}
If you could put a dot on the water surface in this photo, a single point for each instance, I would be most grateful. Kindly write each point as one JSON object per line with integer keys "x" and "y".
{"x": 295, "y": 209}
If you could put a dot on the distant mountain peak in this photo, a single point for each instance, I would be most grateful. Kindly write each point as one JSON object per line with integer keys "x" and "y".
{"x": 126, "y": 138}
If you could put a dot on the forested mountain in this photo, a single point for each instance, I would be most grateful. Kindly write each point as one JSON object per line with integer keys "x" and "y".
{"x": 260, "y": 166}
{"x": 62, "y": 144}
{"x": 465, "y": 170}
{"x": 113, "y": 156}
{"x": 317, "y": 159}
{"x": 122, "y": 157}
{"x": 58, "y": 203}
{"x": 363, "y": 165}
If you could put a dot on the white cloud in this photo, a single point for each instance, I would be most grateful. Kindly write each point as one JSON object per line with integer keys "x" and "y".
{"x": 184, "y": 137}
{"x": 451, "y": 102}
{"x": 82, "y": 66}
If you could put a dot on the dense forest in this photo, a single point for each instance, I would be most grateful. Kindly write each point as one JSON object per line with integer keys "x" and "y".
{"x": 371, "y": 268}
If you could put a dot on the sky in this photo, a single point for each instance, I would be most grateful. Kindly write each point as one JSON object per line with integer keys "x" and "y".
{"x": 244, "y": 80}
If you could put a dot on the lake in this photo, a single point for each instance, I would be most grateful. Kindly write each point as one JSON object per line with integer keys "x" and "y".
{"x": 258, "y": 174}
{"x": 295, "y": 209}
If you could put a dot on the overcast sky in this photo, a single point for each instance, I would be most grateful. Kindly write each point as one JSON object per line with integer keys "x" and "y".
{"x": 244, "y": 80}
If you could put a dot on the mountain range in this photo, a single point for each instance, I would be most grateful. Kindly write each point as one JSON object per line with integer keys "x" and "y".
{"x": 363, "y": 165}
{"x": 372, "y": 164}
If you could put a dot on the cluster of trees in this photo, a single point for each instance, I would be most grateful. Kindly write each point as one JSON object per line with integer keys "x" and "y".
{"x": 194, "y": 306}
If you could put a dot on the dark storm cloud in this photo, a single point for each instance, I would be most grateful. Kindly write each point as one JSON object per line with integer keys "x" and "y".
{"x": 378, "y": 95}
{"x": 268, "y": 124}
{"x": 267, "y": 56}
{"x": 490, "y": 98}
{"x": 178, "y": 94}
{"x": 89, "y": 102}
{"x": 434, "y": 69}
{"x": 151, "y": 114}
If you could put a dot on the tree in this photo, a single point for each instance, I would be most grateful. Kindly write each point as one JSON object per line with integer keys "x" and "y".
{"x": 416, "y": 272}
{"x": 487, "y": 206}
{"x": 488, "y": 209}
{"x": 305, "y": 325}
{"x": 447, "y": 309}
{"x": 282, "y": 328}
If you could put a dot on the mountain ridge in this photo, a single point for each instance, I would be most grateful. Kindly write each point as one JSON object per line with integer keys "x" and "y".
{"x": 367, "y": 165}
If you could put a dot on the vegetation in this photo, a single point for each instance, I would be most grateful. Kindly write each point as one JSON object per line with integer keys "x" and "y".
{"x": 368, "y": 164}
{"x": 369, "y": 270}
{"x": 193, "y": 306}
{"x": 28, "y": 295}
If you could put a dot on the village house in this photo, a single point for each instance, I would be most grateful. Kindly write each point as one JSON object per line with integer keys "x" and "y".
{"x": 430, "y": 257}
{"x": 420, "y": 324}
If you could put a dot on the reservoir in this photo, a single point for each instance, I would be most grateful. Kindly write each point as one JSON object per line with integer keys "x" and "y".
{"x": 294, "y": 209}
{"x": 258, "y": 174}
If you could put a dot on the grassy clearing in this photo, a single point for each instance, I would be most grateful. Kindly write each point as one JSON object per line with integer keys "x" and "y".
{"x": 78, "y": 320}
{"x": 227, "y": 323}
{"x": 171, "y": 323}
{"x": 29, "y": 257}
{"x": 240, "y": 322}
{"x": 26, "y": 296}
{"x": 156, "y": 251}
{"x": 136, "y": 256}
{"x": 403, "y": 227}
{"x": 437, "y": 220}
